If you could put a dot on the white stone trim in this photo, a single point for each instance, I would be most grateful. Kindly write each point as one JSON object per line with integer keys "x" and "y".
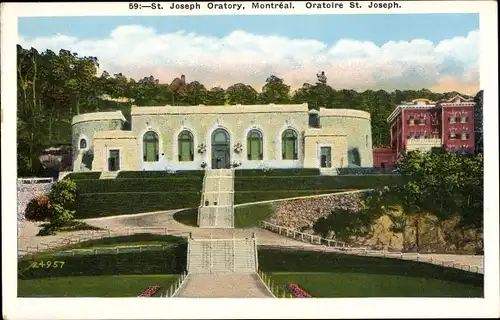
{"x": 140, "y": 148}
{"x": 89, "y": 142}
{"x": 175, "y": 146}
{"x": 280, "y": 144}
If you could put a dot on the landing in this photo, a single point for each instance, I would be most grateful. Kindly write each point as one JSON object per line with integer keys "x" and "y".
{"x": 224, "y": 285}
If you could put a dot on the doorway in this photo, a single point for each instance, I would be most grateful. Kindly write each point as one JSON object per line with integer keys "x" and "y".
{"x": 326, "y": 157}
{"x": 114, "y": 160}
{"x": 221, "y": 156}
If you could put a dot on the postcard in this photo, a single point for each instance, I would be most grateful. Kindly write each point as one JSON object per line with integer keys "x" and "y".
{"x": 224, "y": 159}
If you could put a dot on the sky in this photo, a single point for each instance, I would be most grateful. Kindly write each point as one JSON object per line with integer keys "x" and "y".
{"x": 408, "y": 51}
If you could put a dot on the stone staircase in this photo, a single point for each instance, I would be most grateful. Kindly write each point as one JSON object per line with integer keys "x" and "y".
{"x": 217, "y": 202}
{"x": 237, "y": 255}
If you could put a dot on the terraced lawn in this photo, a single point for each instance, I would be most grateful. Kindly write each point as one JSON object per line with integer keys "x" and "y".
{"x": 327, "y": 274}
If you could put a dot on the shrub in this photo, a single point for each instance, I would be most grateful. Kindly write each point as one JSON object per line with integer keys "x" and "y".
{"x": 38, "y": 209}
{"x": 62, "y": 202}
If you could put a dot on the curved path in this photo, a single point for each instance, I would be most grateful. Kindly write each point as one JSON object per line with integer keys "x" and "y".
{"x": 27, "y": 233}
{"x": 166, "y": 220}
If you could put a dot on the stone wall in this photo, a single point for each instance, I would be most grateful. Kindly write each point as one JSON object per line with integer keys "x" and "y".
{"x": 434, "y": 236}
{"x": 300, "y": 214}
{"x": 27, "y": 192}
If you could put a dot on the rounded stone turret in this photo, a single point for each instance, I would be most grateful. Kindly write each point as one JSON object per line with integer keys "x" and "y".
{"x": 83, "y": 128}
{"x": 357, "y": 126}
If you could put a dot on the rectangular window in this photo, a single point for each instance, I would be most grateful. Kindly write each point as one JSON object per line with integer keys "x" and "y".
{"x": 451, "y": 119}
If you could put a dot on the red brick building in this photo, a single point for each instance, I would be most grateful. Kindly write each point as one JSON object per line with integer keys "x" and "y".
{"x": 422, "y": 124}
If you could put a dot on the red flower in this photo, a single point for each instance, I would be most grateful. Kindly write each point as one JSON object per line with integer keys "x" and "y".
{"x": 149, "y": 292}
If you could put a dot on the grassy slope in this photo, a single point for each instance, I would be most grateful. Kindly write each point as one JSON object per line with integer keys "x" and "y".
{"x": 244, "y": 217}
{"x": 339, "y": 275}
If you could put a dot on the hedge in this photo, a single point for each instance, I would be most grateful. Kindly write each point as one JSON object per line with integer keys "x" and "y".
{"x": 180, "y": 183}
{"x": 169, "y": 261}
{"x": 314, "y": 183}
{"x": 93, "y": 205}
{"x": 365, "y": 171}
{"x": 276, "y": 172}
{"x": 275, "y": 260}
{"x": 256, "y": 195}
{"x": 83, "y": 175}
{"x": 159, "y": 174}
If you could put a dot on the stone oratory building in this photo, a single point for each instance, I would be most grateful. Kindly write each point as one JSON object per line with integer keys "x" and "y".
{"x": 216, "y": 137}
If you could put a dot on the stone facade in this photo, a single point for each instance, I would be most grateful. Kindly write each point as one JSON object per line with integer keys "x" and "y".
{"x": 283, "y": 137}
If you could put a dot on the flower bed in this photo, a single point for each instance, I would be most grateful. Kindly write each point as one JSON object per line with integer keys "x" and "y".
{"x": 149, "y": 292}
{"x": 297, "y": 291}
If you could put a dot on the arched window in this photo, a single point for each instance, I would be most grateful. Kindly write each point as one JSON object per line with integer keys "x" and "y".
{"x": 83, "y": 144}
{"x": 254, "y": 145}
{"x": 150, "y": 147}
{"x": 289, "y": 145}
{"x": 186, "y": 146}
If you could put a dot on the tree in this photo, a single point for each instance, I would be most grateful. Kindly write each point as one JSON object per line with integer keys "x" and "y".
{"x": 241, "y": 94}
{"x": 446, "y": 185}
{"x": 275, "y": 91}
{"x": 215, "y": 96}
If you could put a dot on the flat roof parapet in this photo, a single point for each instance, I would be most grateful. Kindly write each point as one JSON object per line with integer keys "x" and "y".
{"x": 219, "y": 109}
{"x": 98, "y": 116}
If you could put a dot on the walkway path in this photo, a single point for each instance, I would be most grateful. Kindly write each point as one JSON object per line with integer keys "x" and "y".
{"x": 166, "y": 220}
{"x": 223, "y": 285}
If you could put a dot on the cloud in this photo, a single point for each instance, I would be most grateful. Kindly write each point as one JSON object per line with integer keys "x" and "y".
{"x": 137, "y": 51}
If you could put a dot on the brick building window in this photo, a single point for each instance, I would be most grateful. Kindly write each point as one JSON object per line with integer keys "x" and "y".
{"x": 422, "y": 121}
{"x": 451, "y": 119}
{"x": 452, "y": 134}
{"x": 463, "y": 118}
{"x": 464, "y": 135}
{"x": 411, "y": 121}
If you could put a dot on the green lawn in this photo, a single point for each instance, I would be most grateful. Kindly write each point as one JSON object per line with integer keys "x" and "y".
{"x": 94, "y": 286}
{"x": 188, "y": 217}
{"x": 265, "y": 195}
{"x": 249, "y": 216}
{"x": 339, "y": 275}
{"x": 358, "y": 285}
{"x": 244, "y": 217}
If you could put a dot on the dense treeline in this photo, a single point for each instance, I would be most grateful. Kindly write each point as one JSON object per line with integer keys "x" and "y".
{"x": 53, "y": 87}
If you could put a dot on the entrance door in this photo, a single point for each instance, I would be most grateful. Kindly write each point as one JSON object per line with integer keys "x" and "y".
{"x": 326, "y": 157}
{"x": 220, "y": 149}
{"x": 114, "y": 160}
